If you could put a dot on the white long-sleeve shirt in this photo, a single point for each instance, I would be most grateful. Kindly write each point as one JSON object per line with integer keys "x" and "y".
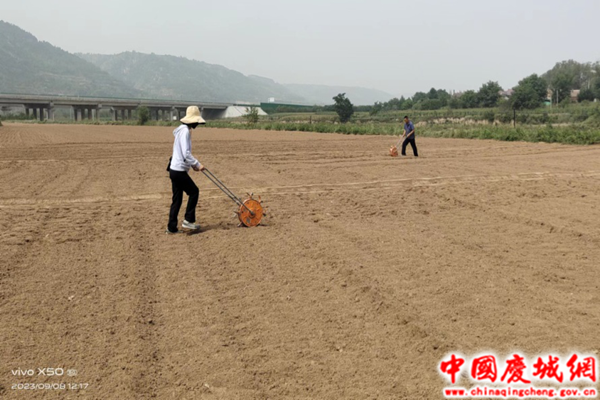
{"x": 182, "y": 159}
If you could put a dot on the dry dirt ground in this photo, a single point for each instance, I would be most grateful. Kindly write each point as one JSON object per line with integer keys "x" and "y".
{"x": 367, "y": 272}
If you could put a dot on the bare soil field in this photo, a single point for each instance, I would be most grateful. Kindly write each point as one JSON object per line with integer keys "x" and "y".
{"x": 367, "y": 272}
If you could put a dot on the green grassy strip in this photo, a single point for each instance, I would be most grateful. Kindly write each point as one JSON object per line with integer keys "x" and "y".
{"x": 580, "y": 134}
{"x": 584, "y": 133}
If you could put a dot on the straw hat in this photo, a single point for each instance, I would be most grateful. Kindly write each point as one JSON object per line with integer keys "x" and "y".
{"x": 192, "y": 116}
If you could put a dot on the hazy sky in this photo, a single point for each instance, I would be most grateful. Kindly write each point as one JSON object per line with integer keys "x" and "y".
{"x": 398, "y": 46}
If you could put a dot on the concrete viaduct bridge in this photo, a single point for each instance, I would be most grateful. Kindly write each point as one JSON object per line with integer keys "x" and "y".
{"x": 43, "y": 107}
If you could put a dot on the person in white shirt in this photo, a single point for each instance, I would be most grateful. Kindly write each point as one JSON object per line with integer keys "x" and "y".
{"x": 179, "y": 165}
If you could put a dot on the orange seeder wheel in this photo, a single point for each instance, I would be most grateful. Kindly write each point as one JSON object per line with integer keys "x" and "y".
{"x": 394, "y": 151}
{"x": 246, "y": 217}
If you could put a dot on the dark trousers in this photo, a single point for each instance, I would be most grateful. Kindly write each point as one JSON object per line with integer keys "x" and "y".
{"x": 413, "y": 144}
{"x": 182, "y": 182}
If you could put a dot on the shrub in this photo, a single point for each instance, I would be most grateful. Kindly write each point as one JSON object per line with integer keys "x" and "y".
{"x": 343, "y": 107}
{"x": 489, "y": 116}
{"x": 505, "y": 117}
{"x": 585, "y": 95}
{"x": 252, "y": 115}
{"x": 522, "y": 118}
{"x": 143, "y": 115}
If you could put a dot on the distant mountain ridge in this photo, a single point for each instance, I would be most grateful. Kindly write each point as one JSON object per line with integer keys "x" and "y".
{"x": 28, "y": 65}
{"x": 171, "y": 77}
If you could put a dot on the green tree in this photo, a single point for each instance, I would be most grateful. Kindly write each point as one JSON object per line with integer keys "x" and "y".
{"x": 408, "y": 104}
{"x": 489, "y": 94}
{"x": 530, "y": 93}
{"x": 455, "y": 103}
{"x": 596, "y": 86}
{"x": 561, "y": 85}
{"x": 394, "y": 104}
{"x": 579, "y": 74}
{"x": 430, "y": 104}
{"x": 444, "y": 97}
{"x": 251, "y": 115}
{"x": 377, "y": 107}
{"x": 469, "y": 99}
{"x": 538, "y": 84}
{"x": 143, "y": 115}
{"x": 585, "y": 94}
{"x": 419, "y": 96}
{"x": 525, "y": 97}
{"x": 343, "y": 107}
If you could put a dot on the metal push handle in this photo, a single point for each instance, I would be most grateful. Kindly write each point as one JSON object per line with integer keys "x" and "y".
{"x": 225, "y": 189}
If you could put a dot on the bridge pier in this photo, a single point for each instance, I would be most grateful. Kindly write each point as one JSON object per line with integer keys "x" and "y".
{"x": 121, "y": 114}
{"x": 180, "y": 114}
{"x": 44, "y": 107}
{"x": 51, "y": 112}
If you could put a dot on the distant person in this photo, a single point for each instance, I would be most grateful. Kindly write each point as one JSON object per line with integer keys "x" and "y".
{"x": 409, "y": 137}
{"x": 179, "y": 165}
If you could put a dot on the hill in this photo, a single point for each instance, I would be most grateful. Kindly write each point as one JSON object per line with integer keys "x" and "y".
{"x": 171, "y": 77}
{"x": 30, "y": 66}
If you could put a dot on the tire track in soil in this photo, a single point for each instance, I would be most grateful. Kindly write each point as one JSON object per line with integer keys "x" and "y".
{"x": 389, "y": 184}
{"x": 394, "y": 326}
{"x": 228, "y": 339}
{"x": 514, "y": 217}
{"x": 24, "y": 181}
{"x": 146, "y": 376}
{"x": 14, "y": 268}
{"x": 13, "y": 264}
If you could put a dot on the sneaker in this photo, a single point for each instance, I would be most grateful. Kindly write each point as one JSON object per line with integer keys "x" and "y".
{"x": 190, "y": 225}
{"x": 168, "y": 232}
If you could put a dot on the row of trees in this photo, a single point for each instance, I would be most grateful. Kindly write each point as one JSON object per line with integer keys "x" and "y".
{"x": 531, "y": 92}
{"x": 571, "y": 75}
{"x": 487, "y": 96}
